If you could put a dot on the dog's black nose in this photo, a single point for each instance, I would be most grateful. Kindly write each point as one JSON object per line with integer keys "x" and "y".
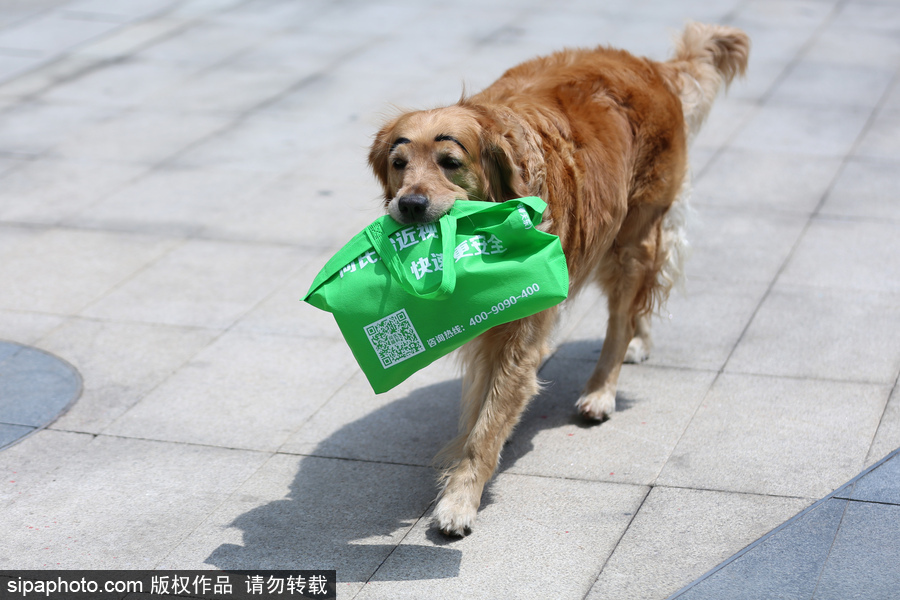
{"x": 413, "y": 206}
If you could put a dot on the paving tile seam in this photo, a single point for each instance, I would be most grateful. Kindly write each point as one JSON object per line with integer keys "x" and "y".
{"x": 859, "y": 501}
{"x": 399, "y": 543}
{"x": 881, "y": 420}
{"x": 618, "y": 541}
{"x": 736, "y": 492}
{"x": 355, "y": 460}
{"x": 102, "y": 435}
{"x": 866, "y": 382}
{"x": 632, "y": 484}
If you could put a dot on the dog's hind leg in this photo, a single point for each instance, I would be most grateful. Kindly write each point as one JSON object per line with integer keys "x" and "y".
{"x": 598, "y": 401}
{"x": 501, "y": 377}
{"x": 630, "y": 279}
{"x": 640, "y": 345}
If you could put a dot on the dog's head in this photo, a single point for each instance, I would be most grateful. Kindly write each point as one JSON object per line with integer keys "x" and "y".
{"x": 427, "y": 160}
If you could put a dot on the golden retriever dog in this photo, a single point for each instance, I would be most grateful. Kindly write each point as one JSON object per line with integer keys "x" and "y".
{"x": 601, "y": 136}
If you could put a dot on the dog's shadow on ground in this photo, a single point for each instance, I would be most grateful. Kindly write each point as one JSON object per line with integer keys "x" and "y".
{"x": 346, "y": 514}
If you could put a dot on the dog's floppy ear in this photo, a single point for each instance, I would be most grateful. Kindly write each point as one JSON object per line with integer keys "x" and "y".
{"x": 500, "y": 160}
{"x": 378, "y": 155}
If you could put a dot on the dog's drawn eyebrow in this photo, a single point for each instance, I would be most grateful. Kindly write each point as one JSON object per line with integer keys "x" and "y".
{"x": 450, "y": 138}
{"x": 397, "y": 142}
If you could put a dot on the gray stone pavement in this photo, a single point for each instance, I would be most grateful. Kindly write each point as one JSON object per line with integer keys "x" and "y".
{"x": 173, "y": 173}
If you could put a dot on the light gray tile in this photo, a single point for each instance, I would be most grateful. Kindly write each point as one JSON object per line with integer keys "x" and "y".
{"x": 764, "y": 181}
{"x": 845, "y": 44}
{"x": 284, "y": 313}
{"x": 131, "y": 39}
{"x": 680, "y": 534}
{"x": 702, "y": 325}
{"x": 408, "y": 424}
{"x": 322, "y": 212}
{"x": 142, "y": 137}
{"x": 61, "y": 271}
{"x": 654, "y": 406}
{"x": 91, "y": 514}
{"x": 763, "y": 74}
{"x": 698, "y": 327}
{"x": 888, "y": 437}
{"x": 750, "y": 431}
{"x": 114, "y": 10}
{"x": 33, "y": 128}
{"x": 125, "y": 83}
{"x": 243, "y": 391}
{"x": 892, "y": 101}
{"x": 828, "y": 334}
{"x": 780, "y": 42}
{"x": 204, "y": 44}
{"x": 804, "y": 15}
{"x": 49, "y": 190}
{"x": 271, "y": 142}
{"x": 22, "y": 11}
{"x": 811, "y": 83}
{"x": 34, "y": 82}
{"x": 33, "y": 461}
{"x": 812, "y": 131}
{"x": 740, "y": 246}
{"x": 847, "y": 254}
{"x": 727, "y": 116}
{"x": 863, "y": 561}
{"x": 26, "y": 327}
{"x": 201, "y": 284}
{"x": 881, "y": 138}
{"x": 52, "y": 32}
{"x": 545, "y": 529}
{"x": 313, "y": 513}
{"x": 119, "y": 364}
{"x": 225, "y": 90}
{"x": 865, "y": 188}
{"x": 174, "y": 200}
{"x": 871, "y": 15}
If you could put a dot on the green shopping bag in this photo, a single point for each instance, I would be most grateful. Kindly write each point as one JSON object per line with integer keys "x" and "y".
{"x": 405, "y": 295}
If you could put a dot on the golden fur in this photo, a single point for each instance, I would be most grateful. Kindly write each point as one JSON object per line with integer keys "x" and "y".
{"x": 602, "y": 137}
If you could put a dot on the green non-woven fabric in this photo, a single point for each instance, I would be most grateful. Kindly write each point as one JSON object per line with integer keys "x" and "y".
{"x": 405, "y": 295}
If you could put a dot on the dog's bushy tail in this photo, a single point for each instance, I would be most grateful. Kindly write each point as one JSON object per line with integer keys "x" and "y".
{"x": 707, "y": 58}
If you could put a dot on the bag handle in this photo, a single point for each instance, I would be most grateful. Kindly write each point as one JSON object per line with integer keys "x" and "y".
{"x": 380, "y": 242}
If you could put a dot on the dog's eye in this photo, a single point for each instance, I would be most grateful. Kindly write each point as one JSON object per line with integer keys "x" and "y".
{"x": 398, "y": 163}
{"x": 450, "y": 163}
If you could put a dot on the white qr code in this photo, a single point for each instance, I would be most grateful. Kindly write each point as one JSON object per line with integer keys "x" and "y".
{"x": 394, "y": 338}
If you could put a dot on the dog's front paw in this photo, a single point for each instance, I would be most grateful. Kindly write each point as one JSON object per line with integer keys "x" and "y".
{"x": 455, "y": 513}
{"x": 599, "y": 405}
